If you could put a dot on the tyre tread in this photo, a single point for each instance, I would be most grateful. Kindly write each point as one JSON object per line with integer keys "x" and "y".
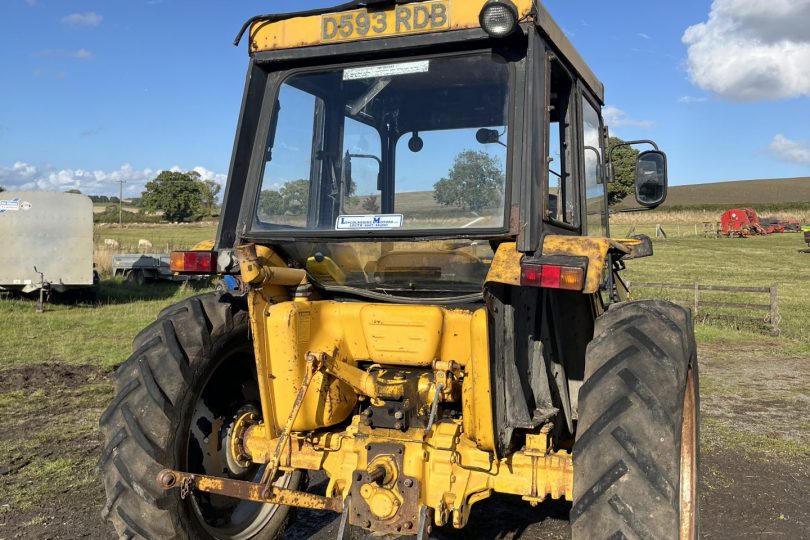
{"x": 627, "y": 447}
{"x": 152, "y": 386}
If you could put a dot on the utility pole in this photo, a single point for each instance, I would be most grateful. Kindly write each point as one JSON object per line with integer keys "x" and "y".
{"x": 121, "y": 202}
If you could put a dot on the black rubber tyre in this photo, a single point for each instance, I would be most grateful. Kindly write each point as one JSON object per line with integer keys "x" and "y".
{"x": 635, "y": 455}
{"x": 136, "y": 277}
{"x": 191, "y": 371}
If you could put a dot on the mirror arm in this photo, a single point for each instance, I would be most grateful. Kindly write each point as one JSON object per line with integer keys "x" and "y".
{"x": 599, "y": 164}
{"x": 379, "y": 165}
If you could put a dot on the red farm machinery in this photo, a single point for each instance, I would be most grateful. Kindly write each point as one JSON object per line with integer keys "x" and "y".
{"x": 744, "y": 222}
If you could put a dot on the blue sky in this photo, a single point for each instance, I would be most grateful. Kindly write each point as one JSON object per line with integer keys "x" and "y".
{"x": 92, "y": 92}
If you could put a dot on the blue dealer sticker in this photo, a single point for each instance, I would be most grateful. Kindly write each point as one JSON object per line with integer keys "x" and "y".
{"x": 369, "y": 222}
{"x": 9, "y": 205}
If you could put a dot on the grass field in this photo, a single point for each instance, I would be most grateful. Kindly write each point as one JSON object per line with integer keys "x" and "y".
{"x": 55, "y": 378}
{"x": 162, "y": 236}
{"x": 756, "y": 262}
{"x": 94, "y": 335}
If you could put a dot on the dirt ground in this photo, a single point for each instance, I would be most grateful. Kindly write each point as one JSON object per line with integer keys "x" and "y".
{"x": 755, "y": 466}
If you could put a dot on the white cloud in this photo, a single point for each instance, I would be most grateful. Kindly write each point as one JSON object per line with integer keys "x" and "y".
{"x": 692, "y": 99}
{"x": 751, "y": 50}
{"x": 616, "y": 117}
{"x": 789, "y": 150}
{"x": 27, "y": 177}
{"x": 206, "y": 174}
{"x": 642, "y": 35}
{"x": 82, "y": 54}
{"x": 79, "y": 54}
{"x": 90, "y": 19}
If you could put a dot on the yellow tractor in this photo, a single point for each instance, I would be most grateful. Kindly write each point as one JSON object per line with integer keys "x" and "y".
{"x": 428, "y": 308}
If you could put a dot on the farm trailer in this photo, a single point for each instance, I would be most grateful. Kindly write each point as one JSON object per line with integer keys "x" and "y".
{"x": 46, "y": 242}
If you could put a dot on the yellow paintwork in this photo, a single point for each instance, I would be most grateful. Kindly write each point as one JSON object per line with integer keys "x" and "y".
{"x": 205, "y": 245}
{"x": 453, "y": 472}
{"x": 407, "y": 19}
{"x": 506, "y": 264}
{"x": 326, "y": 268}
{"x": 260, "y": 265}
{"x": 454, "y": 462}
{"x": 393, "y": 335}
{"x": 595, "y": 249}
{"x": 308, "y": 31}
{"x": 477, "y": 388}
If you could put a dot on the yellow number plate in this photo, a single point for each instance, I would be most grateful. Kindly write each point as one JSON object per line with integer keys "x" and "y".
{"x": 405, "y": 19}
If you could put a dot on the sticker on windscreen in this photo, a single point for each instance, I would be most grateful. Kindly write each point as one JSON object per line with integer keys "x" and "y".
{"x": 386, "y": 70}
{"x": 369, "y": 222}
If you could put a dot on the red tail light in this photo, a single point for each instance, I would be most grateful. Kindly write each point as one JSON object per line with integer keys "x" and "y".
{"x": 194, "y": 262}
{"x": 552, "y": 276}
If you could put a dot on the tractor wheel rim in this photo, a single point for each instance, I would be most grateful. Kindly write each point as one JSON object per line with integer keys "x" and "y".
{"x": 221, "y": 517}
{"x": 688, "y": 479}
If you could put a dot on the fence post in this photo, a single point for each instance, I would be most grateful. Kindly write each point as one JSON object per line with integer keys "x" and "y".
{"x": 774, "y": 315}
{"x": 697, "y": 299}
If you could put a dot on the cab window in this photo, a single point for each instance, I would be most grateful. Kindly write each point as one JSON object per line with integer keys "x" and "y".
{"x": 592, "y": 159}
{"x": 561, "y": 202}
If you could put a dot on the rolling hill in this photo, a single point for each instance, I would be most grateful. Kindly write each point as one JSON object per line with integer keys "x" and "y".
{"x": 741, "y": 193}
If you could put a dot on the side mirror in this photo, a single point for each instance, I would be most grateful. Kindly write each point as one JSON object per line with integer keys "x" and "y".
{"x": 651, "y": 178}
{"x": 488, "y": 136}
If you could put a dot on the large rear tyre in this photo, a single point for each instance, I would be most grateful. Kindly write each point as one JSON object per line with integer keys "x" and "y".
{"x": 192, "y": 371}
{"x": 636, "y": 449}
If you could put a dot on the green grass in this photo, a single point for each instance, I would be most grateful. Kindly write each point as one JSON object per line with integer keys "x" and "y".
{"x": 164, "y": 237}
{"x": 99, "y": 334}
{"x": 716, "y": 436}
{"x": 757, "y": 262}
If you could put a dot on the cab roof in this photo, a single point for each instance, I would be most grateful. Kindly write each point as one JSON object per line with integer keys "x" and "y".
{"x": 365, "y": 20}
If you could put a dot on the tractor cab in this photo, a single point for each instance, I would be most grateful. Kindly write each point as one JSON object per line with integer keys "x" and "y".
{"x": 393, "y": 148}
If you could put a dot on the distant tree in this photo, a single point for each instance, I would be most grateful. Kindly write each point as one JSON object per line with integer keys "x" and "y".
{"x": 74, "y": 191}
{"x": 295, "y": 196}
{"x": 110, "y": 215}
{"x": 474, "y": 182}
{"x": 2, "y": 189}
{"x": 179, "y": 195}
{"x": 292, "y": 198}
{"x": 624, "y": 169}
{"x": 271, "y": 203}
{"x": 370, "y": 204}
{"x": 210, "y": 192}
{"x": 114, "y": 200}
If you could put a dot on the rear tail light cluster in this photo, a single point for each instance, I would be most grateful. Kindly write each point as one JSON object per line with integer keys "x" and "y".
{"x": 194, "y": 262}
{"x": 552, "y": 276}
